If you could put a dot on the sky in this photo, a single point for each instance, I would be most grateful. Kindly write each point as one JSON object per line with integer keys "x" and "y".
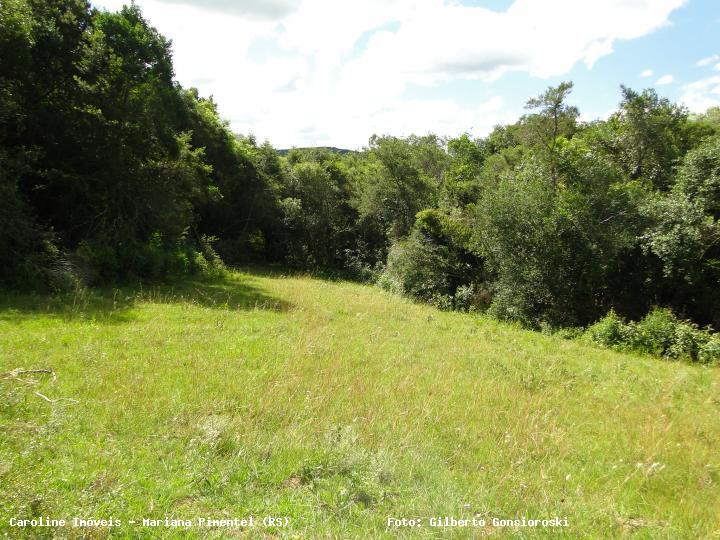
{"x": 334, "y": 72}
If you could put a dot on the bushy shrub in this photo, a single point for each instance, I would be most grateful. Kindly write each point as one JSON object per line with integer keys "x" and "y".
{"x": 434, "y": 265}
{"x": 610, "y": 331}
{"x": 655, "y": 334}
{"x": 98, "y": 261}
{"x": 687, "y": 341}
{"x": 710, "y": 351}
{"x": 417, "y": 268}
{"x": 660, "y": 333}
{"x": 424, "y": 269}
{"x": 468, "y": 298}
{"x": 215, "y": 265}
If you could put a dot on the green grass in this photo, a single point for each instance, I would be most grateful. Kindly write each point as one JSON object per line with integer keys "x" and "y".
{"x": 339, "y": 405}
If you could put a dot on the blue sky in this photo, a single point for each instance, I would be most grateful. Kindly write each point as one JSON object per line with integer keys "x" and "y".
{"x": 333, "y": 72}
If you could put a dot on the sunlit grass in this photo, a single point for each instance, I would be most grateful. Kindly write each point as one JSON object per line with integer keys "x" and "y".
{"x": 338, "y": 405}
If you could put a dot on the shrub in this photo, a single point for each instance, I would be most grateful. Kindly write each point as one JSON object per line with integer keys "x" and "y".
{"x": 687, "y": 341}
{"x": 655, "y": 334}
{"x": 710, "y": 351}
{"x": 434, "y": 265}
{"x": 660, "y": 333}
{"x": 610, "y": 331}
{"x": 214, "y": 265}
{"x": 98, "y": 261}
{"x": 418, "y": 268}
{"x": 466, "y": 298}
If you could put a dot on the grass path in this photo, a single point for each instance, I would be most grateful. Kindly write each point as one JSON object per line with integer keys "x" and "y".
{"x": 338, "y": 406}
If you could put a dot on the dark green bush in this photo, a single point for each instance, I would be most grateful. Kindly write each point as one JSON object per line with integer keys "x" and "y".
{"x": 418, "y": 268}
{"x": 431, "y": 265}
{"x": 97, "y": 261}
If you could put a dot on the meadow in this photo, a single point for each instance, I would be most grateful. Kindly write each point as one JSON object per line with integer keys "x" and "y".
{"x": 338, "y": 406}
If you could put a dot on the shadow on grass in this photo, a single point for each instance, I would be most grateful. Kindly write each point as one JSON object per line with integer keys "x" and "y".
{"x": 328, "y": 275}
{"x": 115, "y": 305}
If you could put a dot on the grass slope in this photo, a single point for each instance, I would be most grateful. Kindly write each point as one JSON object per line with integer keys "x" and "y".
{"x": 338, "y": 406}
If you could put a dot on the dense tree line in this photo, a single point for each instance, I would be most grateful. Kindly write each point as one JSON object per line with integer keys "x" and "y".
{"x": 109, "y": 169}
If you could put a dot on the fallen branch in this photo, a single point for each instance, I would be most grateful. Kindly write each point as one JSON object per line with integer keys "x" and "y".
{"x": 56, "y": 400}
{"x": 15, "y": 373}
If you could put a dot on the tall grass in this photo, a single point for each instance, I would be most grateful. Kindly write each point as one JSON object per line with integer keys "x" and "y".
{"x": 338, "y": 406}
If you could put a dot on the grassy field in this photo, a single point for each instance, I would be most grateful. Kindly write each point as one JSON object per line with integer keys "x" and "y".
{"x": 338, "y": 405}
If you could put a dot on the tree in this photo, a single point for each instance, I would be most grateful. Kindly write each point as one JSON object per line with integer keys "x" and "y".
{"x": 552, "y": 252}
{"x": 90, "y": 123}
{"x": 402, "y": 180}
{"x": 462, "y": 178}
{"x": 646, "y": 137}
{"x": 554, "y": 119}
{"x": 685, "y": 235}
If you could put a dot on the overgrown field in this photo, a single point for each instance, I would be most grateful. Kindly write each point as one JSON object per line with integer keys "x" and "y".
{"x": 338, "y": 406}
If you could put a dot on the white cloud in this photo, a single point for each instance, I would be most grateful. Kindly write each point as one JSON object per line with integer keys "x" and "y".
{"x": 708, "y": 60}
{"x": 647, "y": 73}
{"x": 665, "y": 79}
{"x": 701, "y": 95}
{"x": 262, "y": 9}
{"x": 437, "y": 41}
{"x": 335, "y": 71}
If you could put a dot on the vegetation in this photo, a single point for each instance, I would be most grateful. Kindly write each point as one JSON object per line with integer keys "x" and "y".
{"x": 140, "y": 377}
{"x": 112, "y": 172}
{"x": 339, "y": 405}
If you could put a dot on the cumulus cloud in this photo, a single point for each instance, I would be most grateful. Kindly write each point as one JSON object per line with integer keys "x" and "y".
{"x": 707, "y": 60}
{"x": 438, "y": 41}
{"x": 341, "y": 70}
{"x": 665, "y": 79}
{"x": 263, "y": 9}
{"x": 701, "y": 95}
{"x": 647, "y": 73}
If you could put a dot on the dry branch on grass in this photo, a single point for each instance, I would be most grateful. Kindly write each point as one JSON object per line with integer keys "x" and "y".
{"x": 15, "y": 376}
{"x": 56, "y": 400}
{"x": 15, "y": 373}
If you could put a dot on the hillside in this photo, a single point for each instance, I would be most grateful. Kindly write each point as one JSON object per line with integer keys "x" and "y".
{"x": 338, "y": 406}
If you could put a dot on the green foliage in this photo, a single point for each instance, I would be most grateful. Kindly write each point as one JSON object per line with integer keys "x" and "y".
{"x": 610, "y": 331}
{"x": 96, "y": 157}
{"x": 96, "y": 262}
{"x": 403, "y": 179}
{"x": 110, "y": 170}
{"x": 419, "y": 268}
{"x": 432, "y": 264}
{"x": 555, "y": 120}
{"x": 708, "y": 122}
{"x": 699, "y": 176}
{"x": 655, "y": 334}
{"x": 660, "y": 333}
{"x": 551, "y": 247}
{"x": 646, "y": 137}
{"x": 462, "y": 185}
{"x": 684, "y": 234}
{"x": 241, "y": 207}
{"x": 317, "y": 215}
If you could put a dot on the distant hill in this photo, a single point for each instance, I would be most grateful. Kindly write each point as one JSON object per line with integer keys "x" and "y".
{"x": 285, "y": 151}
